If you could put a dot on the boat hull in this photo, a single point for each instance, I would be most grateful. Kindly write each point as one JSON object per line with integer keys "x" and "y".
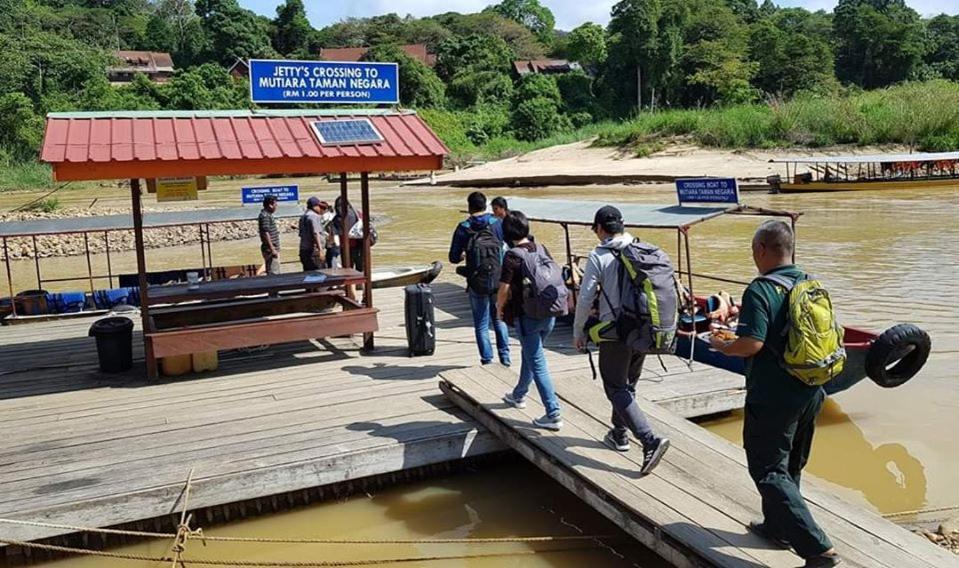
{"x": 822, "y": 186}
{"x": 857, "y": 345}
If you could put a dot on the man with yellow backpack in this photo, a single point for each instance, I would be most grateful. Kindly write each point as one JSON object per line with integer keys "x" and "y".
{"x": 793, "y": 344}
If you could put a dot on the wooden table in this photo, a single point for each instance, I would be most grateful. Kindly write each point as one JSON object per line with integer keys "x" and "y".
{"x": 236, "y": 287}
{"x": 202, "y": 321}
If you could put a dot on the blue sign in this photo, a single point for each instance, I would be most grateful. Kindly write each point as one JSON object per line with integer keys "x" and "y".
{"x": 339, "y": 82}
{"x": 707, "y": 190}
{"x": 255, "y": 195}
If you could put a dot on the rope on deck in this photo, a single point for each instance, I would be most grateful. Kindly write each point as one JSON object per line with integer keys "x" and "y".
{"x": 920, "y": 512}
{"x": 198, "y": 533}
{"x": 176, "y": 560}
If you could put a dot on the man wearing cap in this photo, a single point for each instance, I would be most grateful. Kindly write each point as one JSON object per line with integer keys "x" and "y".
{"x": 313, "y": 234}
{"x": 619, "y": 365}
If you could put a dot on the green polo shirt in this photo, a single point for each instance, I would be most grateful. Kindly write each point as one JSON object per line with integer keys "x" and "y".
{"x": 763, "y": 316}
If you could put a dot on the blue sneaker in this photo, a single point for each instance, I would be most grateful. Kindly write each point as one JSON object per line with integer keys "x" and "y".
{"x": 514, "y": 402}
{"x": 547, "y": 423}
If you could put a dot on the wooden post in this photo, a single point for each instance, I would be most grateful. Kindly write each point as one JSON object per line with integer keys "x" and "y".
{"x": 569, "y": 262}
{"x": 36, "y": 263}
{"x": 367, "y": 259}
{"x": 142, "y": 277}
{"x": 86, "y": 247}
{"x": 6, "y": 260}
{"x": 106, "y": 248}
{"x": 345, "y": 229}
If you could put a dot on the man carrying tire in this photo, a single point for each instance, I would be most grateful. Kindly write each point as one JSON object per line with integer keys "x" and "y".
{"x": 781, "y": 409}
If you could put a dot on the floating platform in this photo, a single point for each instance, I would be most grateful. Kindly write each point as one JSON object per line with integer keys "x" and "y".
{"x": 694, "y": 509}
{"x": 84, "y": 448}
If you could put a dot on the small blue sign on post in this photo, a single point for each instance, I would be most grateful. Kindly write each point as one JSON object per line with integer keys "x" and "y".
{"x": 255, "y": 195}
{"x": 339, "y": 82}
{"x": 707, "y": 190}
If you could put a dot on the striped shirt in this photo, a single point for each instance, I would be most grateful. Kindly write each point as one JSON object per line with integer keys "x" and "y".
{"x": 268, "y": 225}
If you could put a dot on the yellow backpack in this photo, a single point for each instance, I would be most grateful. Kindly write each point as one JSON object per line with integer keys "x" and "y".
{"x": 814, "y": 351}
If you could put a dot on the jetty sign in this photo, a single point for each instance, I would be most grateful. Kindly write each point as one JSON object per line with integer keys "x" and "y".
{"x": 707, "y": 190}
{"x": 338, "y": 82}
{"x": 255, "y": 195}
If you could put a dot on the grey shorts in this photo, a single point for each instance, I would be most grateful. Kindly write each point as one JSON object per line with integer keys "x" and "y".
{"x": 272, "y": 263}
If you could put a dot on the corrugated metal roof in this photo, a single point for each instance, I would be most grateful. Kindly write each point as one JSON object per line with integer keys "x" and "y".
{"x": 100, "y": 223}
{"x": 869, "y": 158}
{"x": 639, "y": 215}
{"x": 100, "y": 137}
{"x": 232, "y": 139}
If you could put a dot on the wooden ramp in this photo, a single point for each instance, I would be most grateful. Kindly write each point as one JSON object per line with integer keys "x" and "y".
{"x": 87, "y": 449}
{"x": 694, "y": 509}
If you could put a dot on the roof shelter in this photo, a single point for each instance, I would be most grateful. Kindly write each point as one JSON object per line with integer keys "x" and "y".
{"x": 151, "y": 144}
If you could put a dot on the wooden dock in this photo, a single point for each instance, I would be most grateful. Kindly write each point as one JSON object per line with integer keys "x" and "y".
{"x": 694, "y": 509}
{"x": 87, "y": 449}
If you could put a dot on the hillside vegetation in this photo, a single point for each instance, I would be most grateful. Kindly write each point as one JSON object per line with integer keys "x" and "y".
{"x": 728, "y": 73}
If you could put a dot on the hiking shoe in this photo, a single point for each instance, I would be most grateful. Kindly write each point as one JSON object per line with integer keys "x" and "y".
{"x": 620, "y": 443}
{"x": 554, "y": 423}
{"x": 823, "y": 561}
{"x": 514, "y": 402}
{"x": 651, "y": 456}
{"x": 760, "y": 529}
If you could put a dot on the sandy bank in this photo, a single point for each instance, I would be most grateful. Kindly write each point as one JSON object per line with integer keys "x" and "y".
{"x": 581, "y": 163}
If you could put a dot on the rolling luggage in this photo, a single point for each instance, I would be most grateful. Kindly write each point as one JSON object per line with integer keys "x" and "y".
{"x": 420, "y": 323}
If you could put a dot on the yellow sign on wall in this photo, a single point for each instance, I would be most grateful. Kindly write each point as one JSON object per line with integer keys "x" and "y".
{"x": 176, "y": 189}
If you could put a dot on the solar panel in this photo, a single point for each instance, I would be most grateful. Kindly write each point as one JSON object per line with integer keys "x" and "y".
{"x": 336, "y": 132}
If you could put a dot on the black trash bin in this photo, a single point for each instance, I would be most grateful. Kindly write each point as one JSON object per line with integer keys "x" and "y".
{"x": 114, "y": 343}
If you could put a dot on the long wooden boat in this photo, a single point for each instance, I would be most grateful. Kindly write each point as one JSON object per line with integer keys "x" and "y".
{"x": 939, "y": 170}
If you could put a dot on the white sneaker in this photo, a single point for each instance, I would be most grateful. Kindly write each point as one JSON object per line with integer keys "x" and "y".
{"x": 548, "y": 423}
{"x": 515, "y": 403}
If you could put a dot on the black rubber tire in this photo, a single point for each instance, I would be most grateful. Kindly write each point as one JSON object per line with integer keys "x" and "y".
{"x": 897, "y": 355}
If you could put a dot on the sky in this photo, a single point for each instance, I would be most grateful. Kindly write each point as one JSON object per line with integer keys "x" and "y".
{"x": 569, "y": 13}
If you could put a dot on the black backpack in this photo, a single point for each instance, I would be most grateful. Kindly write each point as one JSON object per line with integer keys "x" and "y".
{"x": 484, "y": 261}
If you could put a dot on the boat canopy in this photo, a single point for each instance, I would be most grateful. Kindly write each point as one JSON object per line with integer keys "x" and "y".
{"x": 869, "y": 158}
{"x": 635, "y": 215}
{"x": 124, "y": 221}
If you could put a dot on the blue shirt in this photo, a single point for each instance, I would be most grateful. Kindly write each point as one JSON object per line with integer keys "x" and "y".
{"x": 464, "y": 231}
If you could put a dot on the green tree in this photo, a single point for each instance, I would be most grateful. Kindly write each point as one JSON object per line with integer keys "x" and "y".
{"x": 942, "y": 58}
{"x": 208, "y": 86}
{"x": 21, "y": 129}
{"x": 233, "y": 32}
{"x": 534, "y": 86}
{"x": 522, "y": 42}
{"x": 587, "y": 45}
{"x": 576, "y": 89}
{"x": 715, "y": 59}
{"x": 292, "y": 32}
{"x": 471, "y": 54}
{"x": 879, "y": 42}
{"x": 789, "y": 57}
{"x": 419, "y": 85}
{"x": 469, "y": 88}
{"x": 537, "y": 118}
{"x": 530, "y": 14}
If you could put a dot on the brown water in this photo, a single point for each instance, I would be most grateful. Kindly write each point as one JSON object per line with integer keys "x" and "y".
{"x": 502, "y": 501}
{"x": 888, "y": 257}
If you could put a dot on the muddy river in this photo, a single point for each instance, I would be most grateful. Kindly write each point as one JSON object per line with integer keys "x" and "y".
{"x": 888, "y": 257}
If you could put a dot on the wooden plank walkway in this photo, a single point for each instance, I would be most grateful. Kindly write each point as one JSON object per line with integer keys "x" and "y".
{"x": 88, "y": 449}
{"x": 694, "y": 509}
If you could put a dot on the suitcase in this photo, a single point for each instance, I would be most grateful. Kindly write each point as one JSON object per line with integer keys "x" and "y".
{"x": 420, "y": 322}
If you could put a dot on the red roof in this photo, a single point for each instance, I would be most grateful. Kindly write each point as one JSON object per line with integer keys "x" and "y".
{"x": 121, "y": 145}
{"x": 414, "y": 50}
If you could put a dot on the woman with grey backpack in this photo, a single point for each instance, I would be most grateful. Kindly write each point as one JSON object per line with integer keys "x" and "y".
{"x": 531, "y": 294}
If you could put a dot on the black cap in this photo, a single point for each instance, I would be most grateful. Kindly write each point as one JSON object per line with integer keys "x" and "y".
{"x": 609, "y": 218}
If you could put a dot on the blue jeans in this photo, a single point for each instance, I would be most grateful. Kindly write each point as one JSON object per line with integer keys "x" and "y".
{"x": 484, "y": 312}
{"x": 532, "y": 336}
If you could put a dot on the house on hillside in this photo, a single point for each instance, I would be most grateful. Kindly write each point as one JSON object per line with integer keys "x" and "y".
{"x": 416, "y": 51}
{"x": 545, "y": 66}
{"x": 157, "y": 66}
{"x": 240, "y": 69}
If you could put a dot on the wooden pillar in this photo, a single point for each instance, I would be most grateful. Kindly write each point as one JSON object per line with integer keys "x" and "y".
{"x": 36, "y": 264}
{"x": 367, "y": 259}
{"x": 6, "y": 261}
{"x": 345, "y": 229}
{"x": 142, "y": 278}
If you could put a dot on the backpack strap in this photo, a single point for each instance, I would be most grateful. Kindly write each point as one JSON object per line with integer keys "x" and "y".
{"x": 787, "y": 283}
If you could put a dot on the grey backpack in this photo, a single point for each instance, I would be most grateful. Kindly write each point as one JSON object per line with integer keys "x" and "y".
{"x": 545, "y": 293}
{"x": 646, "y": 319}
